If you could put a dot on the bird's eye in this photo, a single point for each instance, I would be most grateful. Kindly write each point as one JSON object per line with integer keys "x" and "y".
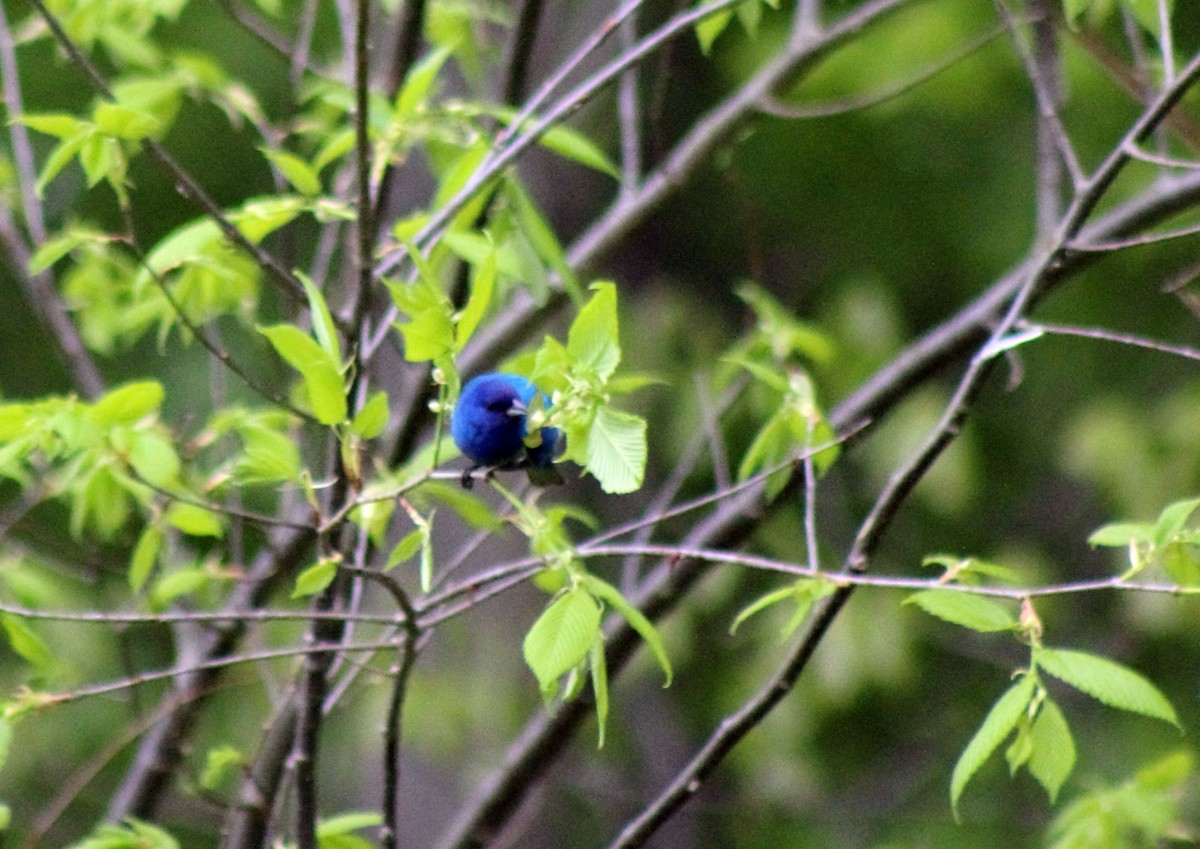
{"x": 498, "y": 406}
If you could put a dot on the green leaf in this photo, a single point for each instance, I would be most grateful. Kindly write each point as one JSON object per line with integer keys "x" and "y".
{"x": 315, "y": 578}
{"x": 1120, "y": 535}
{"x": 1172, "y": 520}
{"x": 408, "y": 545}
{"x": 6, "y": 732}
{"x": 1181, "y": 564}
{"x": 26, "y": 643}
{"x": 998, "y": 724}
{"x": 599, "y": 687}
{"x": 302, "y": 176}
{"x": 370, "y": 421}
{"x": 320, "y": 371}
{"x": 574, "y": 145}
{"x": 1053, "y": 755}
{"x": 637, "y": 620}
{"x": 55, "y": 249}
{"x": 145, "y": 555}
{"x": 153, "y": 457}
{"x": 1072, "y": 9}
{"x": 429, "y": 331}
{"x": 62, "y": 154}
{"x": 57, "y": 124}
{"x": 561, "y": 637}
{"x": 543, "y": 238}
{"x": 1106, "y": 681}
{"x": 194, "y": 520}
{"x": 322, "y": 321}
{"x": 128, "y": 403}
{"x": 220, "y": 764}
{"x": 708, "y": 29}
{"x": 483, "y": 283}
{"x": 964, "y": 608}
{"x": 760, "y": 604}
{"x": 593, "y": 337}
{"x": 122, "y": 122}
{"x": 418, "y": 82}
{"x": 616, "y": 450}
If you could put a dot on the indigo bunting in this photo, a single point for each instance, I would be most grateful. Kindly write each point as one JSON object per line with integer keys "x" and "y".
{"x": 488, "y": 426}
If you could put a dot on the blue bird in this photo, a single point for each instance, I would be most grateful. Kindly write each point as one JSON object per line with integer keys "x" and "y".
{"x": 488, "y": 426}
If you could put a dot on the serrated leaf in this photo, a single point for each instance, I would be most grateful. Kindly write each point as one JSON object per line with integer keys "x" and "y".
{"x": 637, "y": 620}
{"x": 370, "y": 421}
{"x": 998, "y": 724}
{"x": 145, "y": 555}
{"x": 128, "y": 403}
{"x": 320, "y": 371}
{"x": 1106, "y": 681}
{"x": 1053, "y": 755}
{"x": 561, "y": 637}
{"x": 194, "y": 520}
{"x": 315, "y": 578}
{"x": 616, "y": 450}
{"x": 543, "y": 239}
{"x": 964, "y": 608}
{"x": 593, "y": 337}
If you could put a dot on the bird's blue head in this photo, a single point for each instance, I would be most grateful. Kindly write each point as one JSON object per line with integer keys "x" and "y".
{"x": 488, "y": 424}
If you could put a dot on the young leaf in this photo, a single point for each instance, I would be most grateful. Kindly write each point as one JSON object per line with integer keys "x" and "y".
{"x": 1000, "y": 721}
{"x": 616, "y": 450}
{"x": 561, "y": 636}
{"x": 1120, "y": 535}
{"x": 599, "y": 687}
{"x": 762, "y": 603}
{"x": 1172, "y": 520}
{"x": 320, "y": 371}
{"x": 26, "y": 643}
{"x": 194, "y": 520}
{"x": 220, "y": 764}
{"x": 302, "y": 176}
{"x": 408, "y": 545}
{"x": 593, "y": 337}
{"x": 370, "y": 421}
{"x": 966, "y": 609}
{"x": 1106, "y": 681}
{"x": 113, "y": 119}
{"x": 322, "y": 320}
{"x": 315, "y": 578}
{"x": 1053, "y": 755}
{"x": 153, "y": 457}
{"x": 128, "y": 403}
{"x": 145, "y": 555}
{"x": 483, "y": 282}
{"x": 611, "y": 596}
